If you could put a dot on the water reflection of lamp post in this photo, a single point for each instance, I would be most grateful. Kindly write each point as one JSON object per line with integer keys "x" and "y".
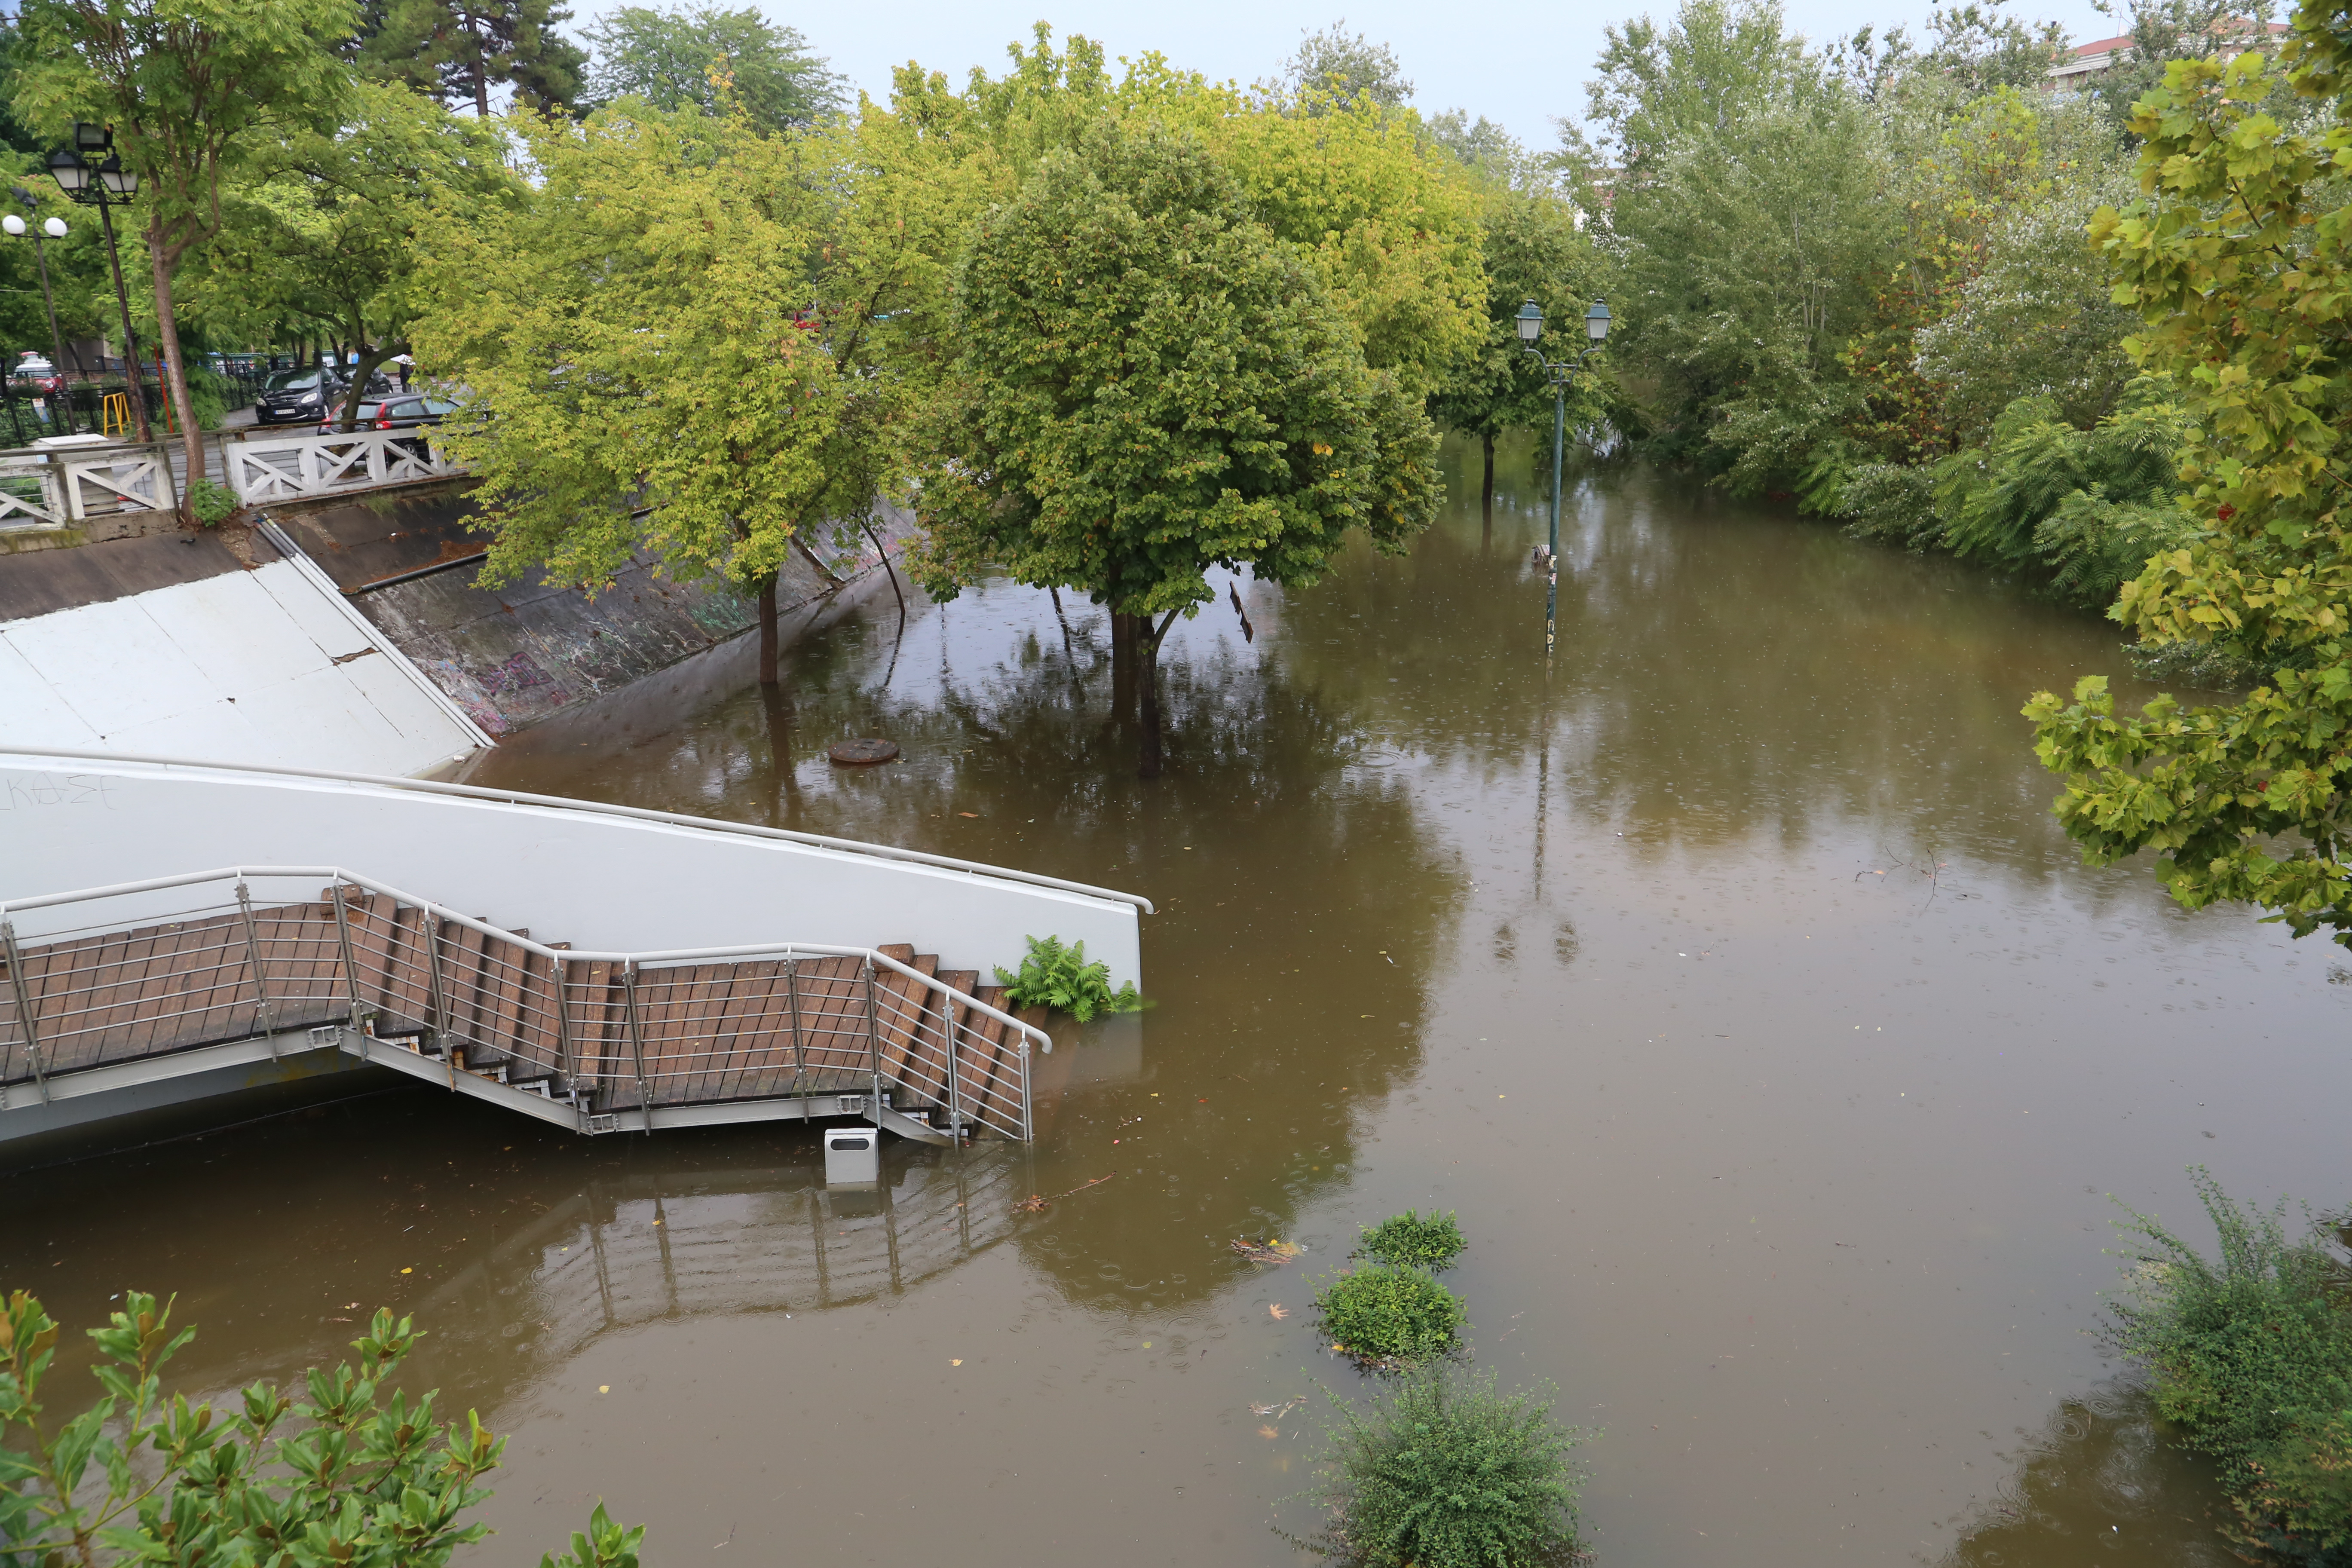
{"x": 56, "y": 230}
{"x": 1596, "y": 327}
{"x": 106, "y": 185}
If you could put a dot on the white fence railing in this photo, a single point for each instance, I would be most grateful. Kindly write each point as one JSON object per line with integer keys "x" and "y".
{"x": 59, "y": 486}
{"x": 287, "y": 468}
{"x": 76, "y": 483}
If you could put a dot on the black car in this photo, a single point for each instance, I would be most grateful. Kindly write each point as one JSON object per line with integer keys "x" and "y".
{"x": 289, "y": 396}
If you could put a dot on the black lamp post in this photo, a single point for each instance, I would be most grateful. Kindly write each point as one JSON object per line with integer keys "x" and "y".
{"x": 56, "y": 230}
{"x": 106, "y": 184}
{"x": 1596, "y": 328}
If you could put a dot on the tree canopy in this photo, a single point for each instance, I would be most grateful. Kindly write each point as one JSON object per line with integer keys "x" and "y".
{"x": 1148, "y": 385}
{"x": 668, "y": 58}
{"x": 2237, "y": 260}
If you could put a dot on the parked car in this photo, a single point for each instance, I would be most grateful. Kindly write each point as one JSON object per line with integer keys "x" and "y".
{"x": 294, "y": 394}
{"x": 397, "y": 412}
{"x": 35, "y": 372}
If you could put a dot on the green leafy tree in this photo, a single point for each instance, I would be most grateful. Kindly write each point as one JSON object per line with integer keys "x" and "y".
{"x": 458, "y": 51}
{"x": 645, "y": 369}
{"x": 335, "y": 1472}
{"x": 668, "y": 58}
{"x": 1148, "y": 385}
{"x": 194, "y": 89}
{"x": 1337, "y": 68}
{"x": 335, "y": 228}
{"x": 2239, "y": 260}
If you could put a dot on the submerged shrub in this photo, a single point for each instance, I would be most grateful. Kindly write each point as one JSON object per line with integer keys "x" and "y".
{"x": 1446, "y": 1472}
{"x": 2252, "y": 1356}
{"x": 1390, "y": 1316}
{"x": 1409, "y": 1240}
{"x": 1060, "y": 977}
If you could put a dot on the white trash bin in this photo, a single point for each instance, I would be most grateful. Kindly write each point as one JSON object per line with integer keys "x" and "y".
{"x": 852, "y": 1156}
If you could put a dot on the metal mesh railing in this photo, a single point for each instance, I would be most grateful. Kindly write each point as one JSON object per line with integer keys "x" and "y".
{"x": 603, "y": 1031}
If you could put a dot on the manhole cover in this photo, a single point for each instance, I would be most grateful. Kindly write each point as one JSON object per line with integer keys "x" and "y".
{"x": 858, "y": 753}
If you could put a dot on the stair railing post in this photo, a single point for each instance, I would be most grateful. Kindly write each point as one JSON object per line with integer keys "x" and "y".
{"x": 873, "y": 1040}
{"x": 792, "y": 999}
{"x": 563, "y": 1038}
{"x": 955, "y": 1078}
{"x": 1026, "y": 1131}
{"x": 438, "y": 996}
{"x": 637, "y": 1041}
{"x": 351, "y": 971}
{"x": 253, "y": 955}
{"x": 24, "y": 1007}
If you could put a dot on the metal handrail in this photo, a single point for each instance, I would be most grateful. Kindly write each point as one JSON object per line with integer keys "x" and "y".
{"x": 1010, "y": 1093}
{"x": 520, "y": 798}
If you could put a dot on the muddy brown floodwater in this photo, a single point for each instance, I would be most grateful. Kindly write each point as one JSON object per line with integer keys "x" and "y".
{"x": 1731, "y": 980}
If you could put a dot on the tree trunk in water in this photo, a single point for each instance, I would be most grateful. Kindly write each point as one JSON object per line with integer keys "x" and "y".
{"x": 1486, "y": 487}
{"x": 1122, "y": 665}
{"x": 175, "y": 370}
{"x": 768, "y": 630}
{"x": 1151, "y": 680}
{"x": 778, "y": 716}
{"x": 1148, "y": 639}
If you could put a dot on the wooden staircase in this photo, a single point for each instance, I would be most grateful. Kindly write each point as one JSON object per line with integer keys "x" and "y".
{"x": 617, "y": 1039}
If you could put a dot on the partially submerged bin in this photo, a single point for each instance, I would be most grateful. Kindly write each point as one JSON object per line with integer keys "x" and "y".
{"x": 852, "y": 1156}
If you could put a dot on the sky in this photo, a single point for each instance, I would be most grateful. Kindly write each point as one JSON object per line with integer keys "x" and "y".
{"x": 1517, "y": 64}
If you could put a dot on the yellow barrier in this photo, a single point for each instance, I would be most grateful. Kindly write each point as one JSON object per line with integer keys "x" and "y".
{"x": 114, "y": 415}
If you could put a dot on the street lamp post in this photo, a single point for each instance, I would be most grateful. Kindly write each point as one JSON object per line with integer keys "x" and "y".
{"x": 1596, "y": 328}
{"x": 106, "y": 185}
{"x": 56, "y": 230}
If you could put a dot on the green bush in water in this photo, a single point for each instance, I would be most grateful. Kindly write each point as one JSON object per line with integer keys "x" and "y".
{"x": 2252, "y": 1356}
{"x": 1390, "y": 1316}
{"x": 1411, "y": 1241}
{"x": 1445, "y": 1472}
{"x": 1060, "y": 977}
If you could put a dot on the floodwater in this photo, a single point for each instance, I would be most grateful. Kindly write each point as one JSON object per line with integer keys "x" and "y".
{"x": 1729, "y": 978}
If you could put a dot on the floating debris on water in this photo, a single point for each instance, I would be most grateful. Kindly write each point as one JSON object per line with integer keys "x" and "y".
{"x": 1276, "y": 1252}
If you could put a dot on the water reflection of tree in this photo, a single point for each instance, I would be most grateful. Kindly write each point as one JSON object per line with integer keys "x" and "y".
{"x": 1732, "y": 675}
{"x": 2101, "y": 1483}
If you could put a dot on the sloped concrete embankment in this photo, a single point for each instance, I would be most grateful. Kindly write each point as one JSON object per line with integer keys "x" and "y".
{"x": 515, "y": 654}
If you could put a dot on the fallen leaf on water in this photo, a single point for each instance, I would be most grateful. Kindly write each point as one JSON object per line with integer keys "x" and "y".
{"x": 1267, "y": 1432}
{"x": 350, "y": 1306}
{"x": 958, "y": 1362}
{"x": 966, "y": 814}
{"x": 1277, "y": 1311}
{"x": 1276, "y": 1411}
{"x": 1266, "y": 1251}
{"x": 408, "y": 1271}
{"x": 604, "y": 1388}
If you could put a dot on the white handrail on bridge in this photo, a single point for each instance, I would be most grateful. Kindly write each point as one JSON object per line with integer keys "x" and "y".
{"x": 522, "y": 797}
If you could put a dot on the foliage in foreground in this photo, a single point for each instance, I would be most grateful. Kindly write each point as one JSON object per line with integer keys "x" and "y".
{"x": 2252, "y": 1356}
{"x": 1410, "y": 1241}
{"x": 2238, "y": 261}
{"x": 1446, "y": 1472}
{"x": 1060, "y": 977}
{"x": 1390, "y": 1318}
{"x": 334, "y": 1475}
